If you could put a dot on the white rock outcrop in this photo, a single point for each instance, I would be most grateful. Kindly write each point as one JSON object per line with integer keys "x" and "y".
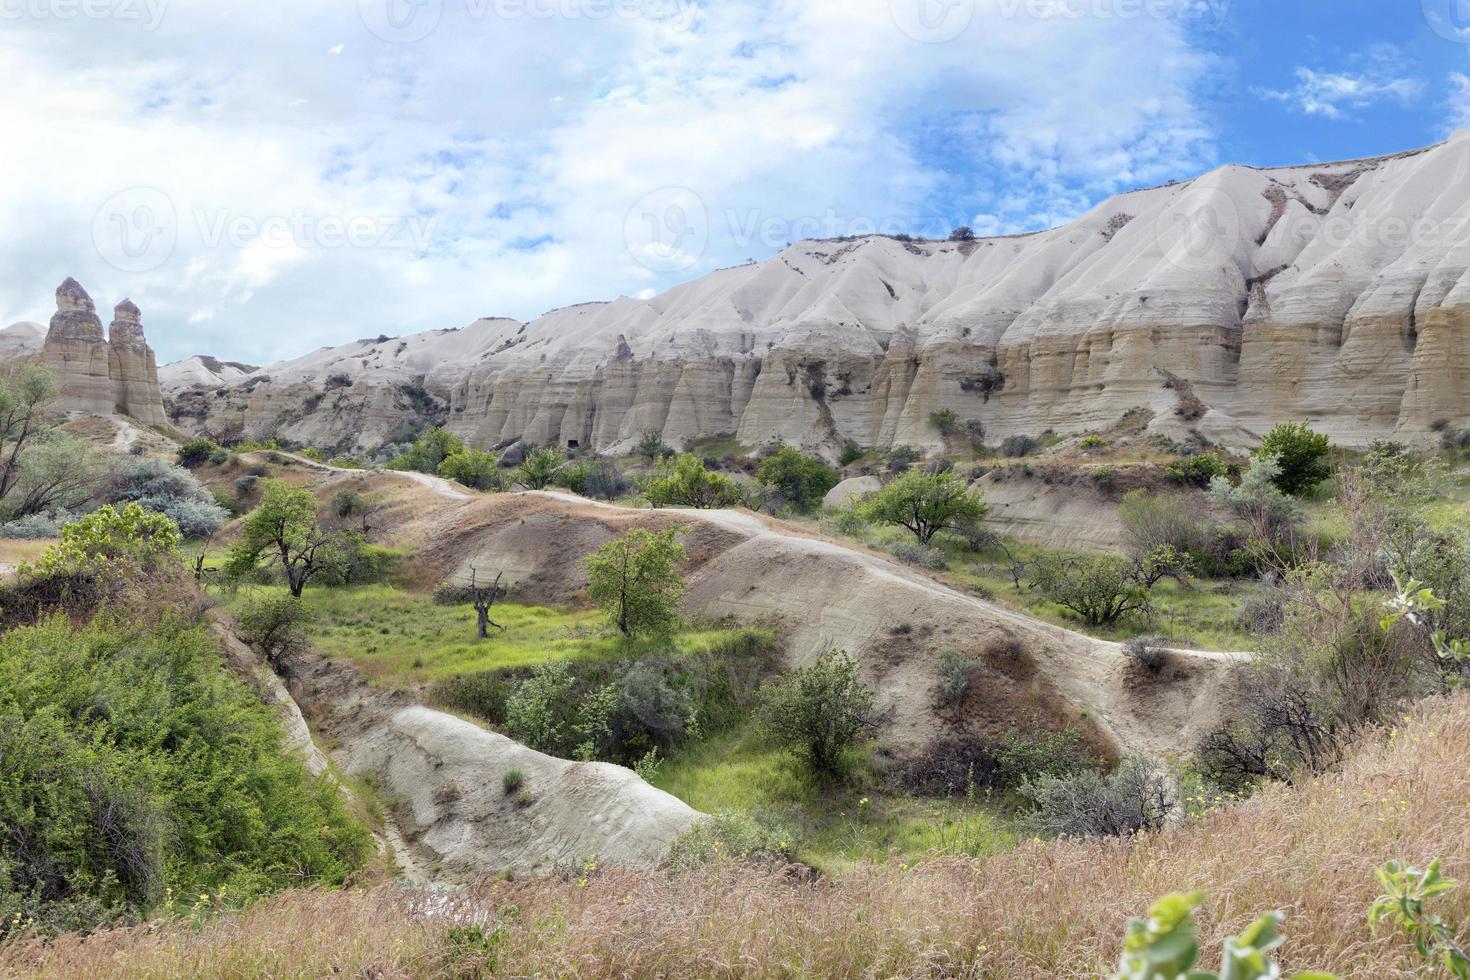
{"x": 99, "y": 375}
{"x": 1336, "y": 292}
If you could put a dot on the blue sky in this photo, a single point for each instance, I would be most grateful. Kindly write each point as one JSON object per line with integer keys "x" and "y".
{"x": 270, "y": 176}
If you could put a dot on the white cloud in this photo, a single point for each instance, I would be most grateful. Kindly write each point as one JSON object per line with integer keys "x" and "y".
{"x": 1459, "y": 101}
{"x": 491, "y": 166}
{"x": 1334, "y": 94}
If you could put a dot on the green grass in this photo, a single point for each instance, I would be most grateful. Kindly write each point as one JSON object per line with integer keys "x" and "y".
{"x": 840, "y": 824}
{"x": 404, "y": 639}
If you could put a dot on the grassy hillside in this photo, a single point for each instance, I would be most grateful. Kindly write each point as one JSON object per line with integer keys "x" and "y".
{"x": 1047, "y": 909}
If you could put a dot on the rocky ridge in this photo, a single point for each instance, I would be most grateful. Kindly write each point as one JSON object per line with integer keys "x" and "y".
{"x": 1336, "y": 292}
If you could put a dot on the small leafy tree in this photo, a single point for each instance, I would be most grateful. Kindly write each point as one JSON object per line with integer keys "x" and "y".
{"x": 25, "y": 395}
{"x": 821, "y": 710}
{"x": 429, "y": 451}
{"x": 476, "y": 470}
{"x": 284, "y": 530}
{"x": 1301, "y": 455}
{"x": 683, "y": 481}
{"x": 926, "y": 503}
{"x": 636, "y": 580}
{"x": 651, "y": 445}
{"x": 1100, "y": 589}
{"x": 60, "y": 472}
{"x": 108, "y": 540}
{"x": 800, "y": 480}
{"x": 539, "y": 469}
{"x": 276, "y": 624}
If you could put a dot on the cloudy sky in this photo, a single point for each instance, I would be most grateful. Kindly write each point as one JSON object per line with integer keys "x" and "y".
{"x": 270, "y": 176}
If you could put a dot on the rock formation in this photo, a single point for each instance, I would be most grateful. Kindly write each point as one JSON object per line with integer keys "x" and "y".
{"x": 1332, "y": 292}
{"x": 95, "y": 376}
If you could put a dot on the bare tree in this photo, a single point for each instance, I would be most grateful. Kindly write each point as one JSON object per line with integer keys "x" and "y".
{"x": 484, "y": 599}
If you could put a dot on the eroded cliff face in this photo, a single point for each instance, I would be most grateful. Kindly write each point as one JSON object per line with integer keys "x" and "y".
{"x": 99, "y": 375}
{"x": 1334, "y": 292}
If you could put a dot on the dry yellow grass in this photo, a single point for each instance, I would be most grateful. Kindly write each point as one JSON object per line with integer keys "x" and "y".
{"x": 1046, "y": 910}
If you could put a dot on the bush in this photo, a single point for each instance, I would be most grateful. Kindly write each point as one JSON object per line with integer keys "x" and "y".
{"x": 472, "y": 468}
{"x": 800, "y": 481}
{"x": 275, "y": 625}
{"x": 539, "y": 712}
{"x": 1163, "y": 520}
{"x": 110, "y": 542}
{"x": 1092, "y": 442}
{"x": 540, "y": 468}
{"x": 821, "y": 711}
{"x": 1100, "y": 590}
{"x": 245, "y": 485}
{"x": 36, "y": 526}
{"x": 196, "y": 452}
{"x": 429, "y": 451}
{"x": 483, "y": 694}
{"x": 166, "y": 489}
{"x": 1198, "y": 469}
{"x": 960, "y": 765}
{"x": 636, "y": 580}
{"x": 922, "y": 555}
{"x": 760, "y": 837}
{"x": 512, "y": 781}
{"x": 926, "y": 504}
{"x": 1149, "y": 652}
{"x": 651, "y": 445}
{"x": 1301, "y": 455}
{"x": 1015, "y": 447}
{"x": 945, "y": 420}
{"x": 956, "y": 672}
{"x": 900, "y": 458}
{"x": 683, "y": 481}
{"x": 1138, "y": 796}
{"x": 181, "y": 783}
{"x": 603, "y": 481}
{"x": 851, "y": 453}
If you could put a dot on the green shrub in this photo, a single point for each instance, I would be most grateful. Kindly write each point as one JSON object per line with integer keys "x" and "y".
{"x": 512, "y": 781}
{"x": 483, "y": 694}
{"x": 760, "y": 837}
{"x": 900, "y": 458}
{"x": 1198, "y": 469}
{"x": 1015, "y": 447}
{"x": 164, "y": 774}
{"x": 800, "y": 481}
{"x": 945, "y": 420}
{"x": 474, "y": 469}
{"x": 275, "y": 624}
{"x": 851, "y": 453}
{"x": 821, "y": 711}
{"x": 1092, "y": 442}
{"x": 109, "y": 541}
{"x": 165, "y": 489}
{"x": 1138, "y": 796}
{"x": 1301, "y": 454}
{"x": 429, "y": 451}
{"x": 1162, "y": 946}
{"x": 683, "y": 481}
{"x": 196, "y": 452}
{"x": 540, "y": 468}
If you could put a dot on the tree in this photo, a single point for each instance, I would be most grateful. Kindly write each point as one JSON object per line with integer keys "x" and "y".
{"x": 964, "y": 233}
{"x": 24, "y": 396}
{"x": 196, "y": 452}
{"x": 1301, "y": 455}
{"x": 108, "y": 540}
{"x": 275, "y": 624}
{"x": 925, "y": 503}
{"x": 483, "y": 599}
{"x": 476, "y": 470}
{"x": 429, "y": 451}
{"x": 651, "y": 445}
{"x": 801, "y": 481}
{"x": 539, "y": 469}
{"x": 683, "y": 481}
{"x": 821, "y": 710}
{"x": 59, "y": 473}
{"x": 1100, "y": 589}
{"x": 636, "y": 579}
{"x": 350, "y": 504}
{"x": 284, "y": 530}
